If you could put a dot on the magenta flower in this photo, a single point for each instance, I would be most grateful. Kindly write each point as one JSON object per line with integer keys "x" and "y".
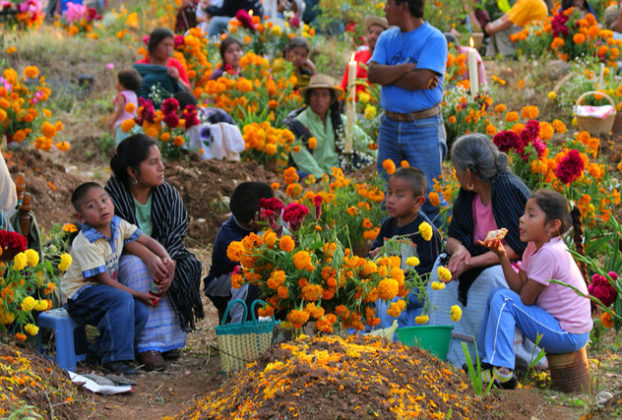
{"x": 570, "y": 167}
{"x": 293, "y": 214}
{"x": 602, "y": 290}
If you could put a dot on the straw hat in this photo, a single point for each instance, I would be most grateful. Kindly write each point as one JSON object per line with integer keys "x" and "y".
{"x": 371, "y": 20}
{"x": 322, "y": 81}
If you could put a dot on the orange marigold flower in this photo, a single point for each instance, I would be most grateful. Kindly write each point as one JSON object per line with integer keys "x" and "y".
{"x": 606, "y": 319}
{"x": 530, "y": 112}
{"x": 178, "y": 141}
{"x": 48, "y": 129}
{"x": 389, "y": 166}
{"x": 578, "y": 38}
{"x": 388, "y": 288}
{"x": 511, "y": 116}
{"x": 297, "y": 318}
{"x": 435, "y": 199}
{"x": 559, "y": 126}
{"x": 293, "y": 190}
{"x": 312, "y": 143}
{"x": 128, "y": 124}
{"x": 290, "y": 175}
{"x": 286, "y": 243}
{"x": 302, "y": 261}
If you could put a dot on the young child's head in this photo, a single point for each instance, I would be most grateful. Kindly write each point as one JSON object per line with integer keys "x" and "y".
{"x": 406, "y": 192}
{"x": 231, "y": 51}
{"x": 244, "y": 202}
{"x": 129, "y": 79}
{"x": 296, "y": 51}
{"x": 547, "y": 215}
{"x": 93, "y": 205}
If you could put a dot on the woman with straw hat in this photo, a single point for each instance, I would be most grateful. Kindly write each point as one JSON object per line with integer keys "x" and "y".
{"x": 320, "y": 119}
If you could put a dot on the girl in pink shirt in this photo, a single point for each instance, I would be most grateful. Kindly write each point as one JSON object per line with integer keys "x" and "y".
{"x": 535, "y": 305}
{"x": 128, "y": 82}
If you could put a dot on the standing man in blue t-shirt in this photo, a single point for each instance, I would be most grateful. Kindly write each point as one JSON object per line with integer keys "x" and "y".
{"x": 409, "y": 62}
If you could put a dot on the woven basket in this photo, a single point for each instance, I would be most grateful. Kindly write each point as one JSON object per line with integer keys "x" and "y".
{"x": 241, "y": 343}
{"x": 594, "y": 125}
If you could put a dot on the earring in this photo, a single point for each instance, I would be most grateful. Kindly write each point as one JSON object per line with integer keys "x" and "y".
{"x": 470, "y": 186}
{"x": 134, "y": 182}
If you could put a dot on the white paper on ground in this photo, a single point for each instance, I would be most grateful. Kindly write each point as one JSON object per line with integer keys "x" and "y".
{"x": 95, "y": 387}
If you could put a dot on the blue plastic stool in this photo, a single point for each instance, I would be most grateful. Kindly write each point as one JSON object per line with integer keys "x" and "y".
{"x": 67, "y": 333}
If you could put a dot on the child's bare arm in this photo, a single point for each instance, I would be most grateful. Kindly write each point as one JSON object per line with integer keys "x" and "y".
{"x": 119, "y": 107}
{"x": 104, "y": 278}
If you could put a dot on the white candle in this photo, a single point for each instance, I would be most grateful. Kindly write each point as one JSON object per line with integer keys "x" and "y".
{"x": 350, "y": 104}
{"x": 473, "y": 73}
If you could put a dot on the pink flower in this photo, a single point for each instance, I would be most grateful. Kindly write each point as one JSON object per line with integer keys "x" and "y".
{"x": 570, "y": 167}
{"x": 294, "y": 213}
{"x": 317, "y": 201}
{"x": 172, "y": 120}
{"x": 179, "y": 41}
{"x": 148, "y": 112}
{"x": 169, "y": 106}
{"x": 245, "y": 19}
{"x": 507, "y": 140}
{"x": 602, "y": 289}
{"x": 110, "y": 66}
{"x": 271, "y": 210}
{"x": 189, "y": 114}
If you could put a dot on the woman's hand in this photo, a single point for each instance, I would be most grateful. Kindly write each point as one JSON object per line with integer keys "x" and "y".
{"x": 309, "y": 64}
{"x": 459, "y": 262}
{"x": 173, "y": 72}
{"x": 157, "y": 268}
{"x": 165, "y": 284}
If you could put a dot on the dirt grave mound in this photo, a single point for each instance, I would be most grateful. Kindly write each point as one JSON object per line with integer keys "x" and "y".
{"x": 202, "y": 184}
{"x": 29, "y": 379}
{"x": 336, "y": 378}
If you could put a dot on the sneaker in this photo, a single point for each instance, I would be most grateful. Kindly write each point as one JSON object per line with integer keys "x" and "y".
{"x": 120, "y": 368}
{"x": 500, "y": 376}
{"x": 152, "y": 360}
{"x": 172, "y": 354}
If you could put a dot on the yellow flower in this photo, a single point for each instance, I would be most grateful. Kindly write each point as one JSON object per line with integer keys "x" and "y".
{"x": 31, "y": 329}
{"x": 425, "y": 230}
{"x": 369, "y": 112}
{"x": 437, "y": 285}
{"x": 28, "y": 304}
{"x": 422, "y": 319}
{"x": 552, "y": 95}
{"x": 412, "y": 261}
{"x": 364, "y": 97}
{"x": 455, "y": 313}
{"x": 20, "y": 261}
{"x": 269, "y": 238}
{"x": 444, "y": 274}
{"x": 65, "y": 262}
{"x": 32, "y": 257}
{"x": 41, "y": 305}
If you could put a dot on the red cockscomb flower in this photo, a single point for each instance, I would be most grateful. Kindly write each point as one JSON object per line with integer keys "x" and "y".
{"x": 570, "y": 167}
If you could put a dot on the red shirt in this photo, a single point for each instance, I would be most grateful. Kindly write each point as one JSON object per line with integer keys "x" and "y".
{"x": 172, "y": 62}
{"x": 361, "y": 73}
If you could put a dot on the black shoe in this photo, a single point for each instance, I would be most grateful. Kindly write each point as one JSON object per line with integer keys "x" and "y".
{"x": 120, "y": 368}
{"x": 171, "y": 354}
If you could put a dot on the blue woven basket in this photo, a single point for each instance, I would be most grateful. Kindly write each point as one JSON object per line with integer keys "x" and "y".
{"x": 243, "y": 342}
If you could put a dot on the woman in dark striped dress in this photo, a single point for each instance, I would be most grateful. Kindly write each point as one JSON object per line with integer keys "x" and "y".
{"x": 142, "y": 197}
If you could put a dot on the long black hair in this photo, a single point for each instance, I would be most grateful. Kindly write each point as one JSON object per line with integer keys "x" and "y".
{"x": 130, "y": 153}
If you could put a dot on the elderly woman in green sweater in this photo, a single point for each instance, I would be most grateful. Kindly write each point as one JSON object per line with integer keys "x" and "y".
{"x": 321, "y": 120}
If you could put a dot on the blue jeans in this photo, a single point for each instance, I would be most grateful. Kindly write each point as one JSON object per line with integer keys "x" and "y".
{"x": 422, "y": 143}
{"x": 504, "y": 311}
{"x": 217, "y": 25}
{"x": 118, "y": 316}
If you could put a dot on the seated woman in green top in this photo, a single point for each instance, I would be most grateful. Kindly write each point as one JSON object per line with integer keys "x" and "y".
{"x": 322, "y": 120}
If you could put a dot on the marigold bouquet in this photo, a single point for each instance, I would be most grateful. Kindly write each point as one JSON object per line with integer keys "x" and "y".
{"x": 79, "y": 19}
{"x": 463, "y": 115}
{"x": 308, "y": 274}
{"x": 265, "y": 143}
{"x": 352, "y": 210}
{"x": 26, "y": 283}
{"x": 21, "y": 115}
{"x": 23, "y": 14}
{"x": 258, "y": 94}
{"x": 569, "y": 36}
